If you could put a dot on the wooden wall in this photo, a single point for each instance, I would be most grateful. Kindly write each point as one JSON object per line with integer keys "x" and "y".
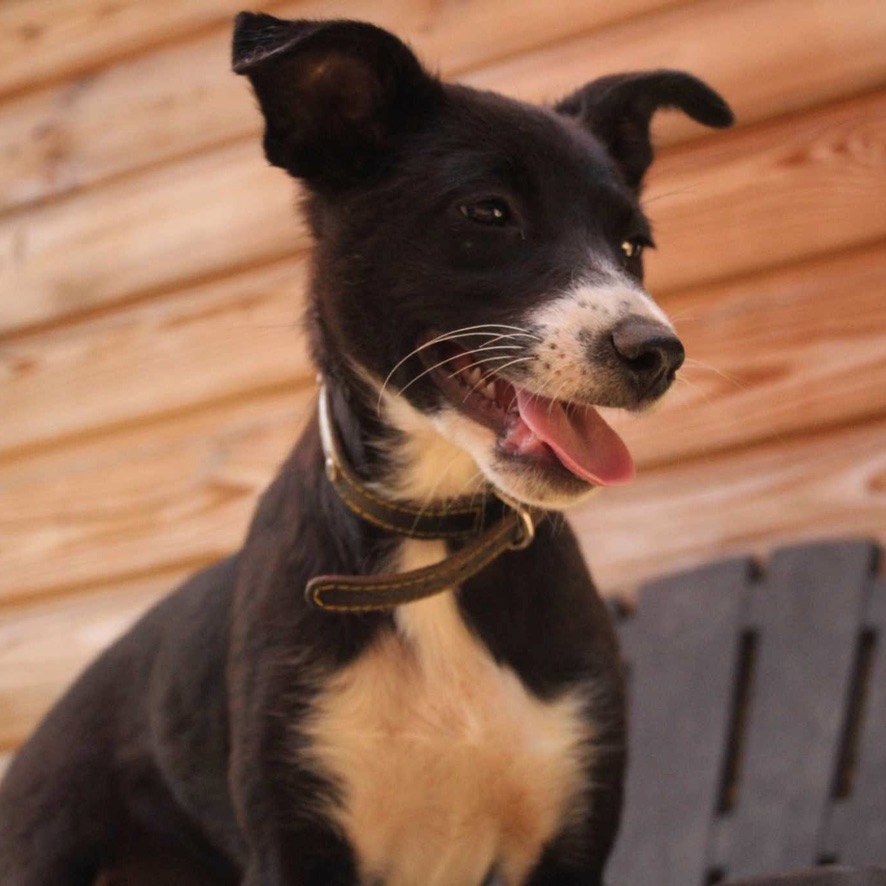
{"x": 152, "y": 376}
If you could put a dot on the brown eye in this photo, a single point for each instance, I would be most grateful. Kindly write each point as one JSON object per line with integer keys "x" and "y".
{"x": 632, "y": 249}
{"x": 491, "y": 211}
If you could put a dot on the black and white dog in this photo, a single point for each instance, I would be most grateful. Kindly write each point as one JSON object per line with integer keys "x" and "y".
{"x": 444, "y": 706}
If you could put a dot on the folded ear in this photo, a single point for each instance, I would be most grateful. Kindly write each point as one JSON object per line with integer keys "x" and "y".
{"x": 618, "y": 111}
{"x": 335, "y": 95}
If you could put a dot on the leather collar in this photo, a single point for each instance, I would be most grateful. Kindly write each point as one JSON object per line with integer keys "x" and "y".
{"x": 489, "y": 527}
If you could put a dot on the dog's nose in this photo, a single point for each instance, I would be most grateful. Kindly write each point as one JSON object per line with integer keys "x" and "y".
{"x": 648, "y": 350}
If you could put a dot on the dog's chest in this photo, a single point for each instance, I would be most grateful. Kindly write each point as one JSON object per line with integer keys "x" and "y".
{"x": 450, "y": 768}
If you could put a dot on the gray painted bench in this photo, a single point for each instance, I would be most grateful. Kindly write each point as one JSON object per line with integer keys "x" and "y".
{"x": 758, "y": 720}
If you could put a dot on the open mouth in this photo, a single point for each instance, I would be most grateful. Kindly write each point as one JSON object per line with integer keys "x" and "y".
{"x": 554, "y": 434}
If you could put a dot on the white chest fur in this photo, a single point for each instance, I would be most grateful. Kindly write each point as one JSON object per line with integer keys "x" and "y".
{"x": 449, "y": 766}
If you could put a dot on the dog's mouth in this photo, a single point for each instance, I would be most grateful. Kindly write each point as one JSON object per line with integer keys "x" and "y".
{"x": 554, "y": 434}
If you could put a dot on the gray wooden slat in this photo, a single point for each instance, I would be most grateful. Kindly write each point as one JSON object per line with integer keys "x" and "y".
{"x": 682, "y": 648}
{"x": 828, "y": 877}
{"x": 862, "y": 835}
{"x": 808, "y": 613}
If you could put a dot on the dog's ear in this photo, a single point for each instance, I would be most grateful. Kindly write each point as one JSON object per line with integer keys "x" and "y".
{"x": 335, "y": 95}
{"x": 618, "y": 111}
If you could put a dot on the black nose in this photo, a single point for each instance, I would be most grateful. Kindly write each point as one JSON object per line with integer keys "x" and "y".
{"x": 649, "y": 352}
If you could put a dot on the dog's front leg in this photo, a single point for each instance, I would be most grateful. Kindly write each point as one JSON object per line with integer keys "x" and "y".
{"x": 288, "y": 841}
{"x": 553, "y": 873}
{"x": 572, "y": 860}
{"x": 280, "y": 803}
{"x": 308, "y": 856}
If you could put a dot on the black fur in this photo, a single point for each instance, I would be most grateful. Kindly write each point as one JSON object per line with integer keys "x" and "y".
{"x": 175, "y": 757}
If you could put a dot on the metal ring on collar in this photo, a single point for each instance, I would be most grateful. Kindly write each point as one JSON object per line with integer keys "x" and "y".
{"x": 525, "y": 530}
{"x": 525, "y": 533}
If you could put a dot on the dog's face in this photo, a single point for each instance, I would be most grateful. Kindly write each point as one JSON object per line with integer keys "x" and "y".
{"x": 477, "y": 256}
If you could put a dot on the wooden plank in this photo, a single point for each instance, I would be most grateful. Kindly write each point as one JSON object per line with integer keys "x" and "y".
{"x": 164, "y": 355}
{"x": 715, "y": 220}
{"x": 860, "y": 837}
{"x": 143, "y": 499}
{"x": 768, "y": 57}
{"x": 146, "y": 234}
{"x": 46, "y": 39}
{"x": 806, "y": 615}
{"x": 821, "y": 486}
{"x": 44, "y": 645}
{"x": 682, "y": 660}
{"x": 181, "y": 99}
{"x": 829, "y": 876}
{"x": 769, "y": 356}
{"x": 226, "y": 210}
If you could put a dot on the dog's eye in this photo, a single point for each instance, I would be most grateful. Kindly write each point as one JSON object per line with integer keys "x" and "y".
{"x": 491, "y": 211}
{"x": 632, "y": 249}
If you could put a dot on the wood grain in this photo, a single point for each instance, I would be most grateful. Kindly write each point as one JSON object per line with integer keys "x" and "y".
{"x": 181, "y": 99}
{"x": 218, "y": 341}
{"x": 817, "y": 486}
{"x": 46, "y": 39}
{"x": 143, "y": 499}
{"x": 673, "y": 518}
{"x": 228, "y": 210}
{"x": 769, "y": 356}
{"x": 179, "y": 222}
{"x": 769, "y": 195}
{"x": 767, "y": 57}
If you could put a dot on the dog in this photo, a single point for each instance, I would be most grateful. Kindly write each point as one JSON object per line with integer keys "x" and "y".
{"x": 405, "y": 676}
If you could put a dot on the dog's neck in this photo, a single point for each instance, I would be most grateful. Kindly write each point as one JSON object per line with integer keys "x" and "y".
{"x": 424, "y": 465}
{"x": 396, "y": 450}
{"x": 488, "y": 524}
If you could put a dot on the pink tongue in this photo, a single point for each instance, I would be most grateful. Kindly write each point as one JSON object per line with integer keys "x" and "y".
{"x": 580, "y": 437}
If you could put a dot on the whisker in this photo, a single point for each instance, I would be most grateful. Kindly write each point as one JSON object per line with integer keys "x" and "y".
{"x": 685, "y": 314}
{"x": 556, "y": 396}
{"x": 697, "y": 364}
{"x": 491, "y": 373}
{"x": 681, "y": 380}
{"x": 549, "y": 383}
{"x": 463, "y": 332}
{"x": 485, "y": 360}
{"x": 648, "y": 201}
{"x": 455, "y": 357}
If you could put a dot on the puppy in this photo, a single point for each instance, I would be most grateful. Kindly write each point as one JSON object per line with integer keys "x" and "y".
{"x": 405, "y": 675}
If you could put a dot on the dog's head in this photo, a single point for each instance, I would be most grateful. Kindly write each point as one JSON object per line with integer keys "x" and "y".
{"x": 478, "y": 257}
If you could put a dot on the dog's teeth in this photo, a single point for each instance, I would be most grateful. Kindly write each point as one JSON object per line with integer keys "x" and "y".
{"x": 473, "y": 376}
{"x": 489, "y": 390}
